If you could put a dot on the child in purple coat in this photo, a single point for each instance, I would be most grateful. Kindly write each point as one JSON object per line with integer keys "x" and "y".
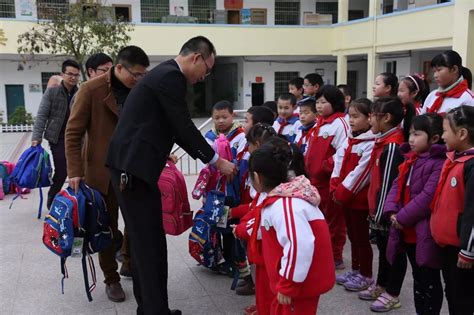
{"x": 408, "y": 208}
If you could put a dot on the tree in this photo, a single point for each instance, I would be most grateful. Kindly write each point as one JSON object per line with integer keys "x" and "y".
{"x": 78, "y": 31}
{"x": 20, "y": 117}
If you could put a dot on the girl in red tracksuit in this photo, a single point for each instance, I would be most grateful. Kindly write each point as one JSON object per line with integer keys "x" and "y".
{"x": 452, "y": 217}
{"x": 290, "y": 232}
{"x": 259, "y": 134}
{"x": 349, "y": 185}
{"x": 329, "y": 135}
{"x": 387, "y": 114}
{"x": 413, "y": 89}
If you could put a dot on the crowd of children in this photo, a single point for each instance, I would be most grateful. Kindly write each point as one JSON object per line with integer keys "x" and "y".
{"x": 399, "y": 169}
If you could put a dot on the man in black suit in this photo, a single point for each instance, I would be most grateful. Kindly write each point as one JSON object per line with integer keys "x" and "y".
{"x": 154, "y": 117}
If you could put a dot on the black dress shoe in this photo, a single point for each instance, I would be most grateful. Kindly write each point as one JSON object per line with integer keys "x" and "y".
{"x": 175, "y": 312}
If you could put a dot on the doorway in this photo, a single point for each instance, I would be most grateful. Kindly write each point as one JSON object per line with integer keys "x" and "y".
{"x": 15, "y": 98}
{"x": 258, "y": 94}
{"x": 233, "y": 17}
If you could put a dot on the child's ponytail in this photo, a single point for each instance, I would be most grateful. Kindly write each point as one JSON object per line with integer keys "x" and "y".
{"x": 467, "y": 74}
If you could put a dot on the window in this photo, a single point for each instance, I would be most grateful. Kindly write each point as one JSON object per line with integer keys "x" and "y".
{"x": 122, "y": 13}
{"x": 153, "y": 10}
{"x": 49, "y": 8}
{"x": 45, "y": 77}
{"x": 202, "y": 10}
{"x": 258, "y": 16}
{"x": 7, "y": 8}
{"x": 328, "y": 8}
{"x": 287, "y": 12}
{"x": 281, "y": 81}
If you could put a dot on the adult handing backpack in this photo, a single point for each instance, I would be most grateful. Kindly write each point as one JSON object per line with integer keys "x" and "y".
{"x": 33, "y": 170}
{"x": 177, "y": 214}
{"x": 77, "y": 224}
{"x": 204, "y": 239}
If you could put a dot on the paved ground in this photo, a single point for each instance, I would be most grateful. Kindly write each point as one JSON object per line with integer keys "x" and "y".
{"x": 30, "y": 274}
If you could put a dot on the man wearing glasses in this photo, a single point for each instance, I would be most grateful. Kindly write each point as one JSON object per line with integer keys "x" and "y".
{"x": 51, "y": 119}
{"x": 98, "y": 64}
{"x": 94, "y": 115}
{"x": 154, "y": 118}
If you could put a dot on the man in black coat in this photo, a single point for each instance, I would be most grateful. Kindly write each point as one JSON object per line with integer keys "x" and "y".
{"x": 154, "y": 117}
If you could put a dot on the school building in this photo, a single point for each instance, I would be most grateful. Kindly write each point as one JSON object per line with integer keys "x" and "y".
{"x": 261, "y": 44}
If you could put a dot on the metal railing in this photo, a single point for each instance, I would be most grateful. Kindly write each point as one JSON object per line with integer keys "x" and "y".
{"x": 185, "y": 163}
{"x": 16, "y": 128}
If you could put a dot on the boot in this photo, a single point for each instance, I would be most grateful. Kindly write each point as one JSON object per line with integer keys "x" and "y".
{"x": 115, "y": 292}
{"x": 248, "y": 288}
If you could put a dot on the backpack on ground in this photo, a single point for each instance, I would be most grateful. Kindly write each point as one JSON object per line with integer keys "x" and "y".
{"x": 205, "y": 239}
{"x": 33, "y": 170}
{"x": 177, "y": 214}
{"x": 5, "y": 176}
{"x": 77, "y": 224}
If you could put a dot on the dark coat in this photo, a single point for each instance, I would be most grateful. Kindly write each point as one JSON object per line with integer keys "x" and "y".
{"x": 155, "y": 116}
{"x": 416, "y": 213}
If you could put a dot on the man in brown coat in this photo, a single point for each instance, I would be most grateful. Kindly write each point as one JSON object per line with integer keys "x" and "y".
{"x": 94, "y": 116}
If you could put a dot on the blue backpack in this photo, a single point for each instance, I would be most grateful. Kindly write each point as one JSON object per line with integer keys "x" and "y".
{"x": 205, "y": 239}
{"x": 33, "y": 170}
{"x": 82, "y": 215}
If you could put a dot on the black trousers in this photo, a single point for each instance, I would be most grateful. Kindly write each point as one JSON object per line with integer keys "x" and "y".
{"x": 389, "y": 276}
{"x": 427, "y": 288}
{"x": 459, "y": 283}
{"x": 140, "y": 205}
{"x": 60, "y": 169}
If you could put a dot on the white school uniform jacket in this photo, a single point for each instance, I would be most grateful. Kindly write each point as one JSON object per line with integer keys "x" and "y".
{"x": 288, "y": 127}
{"x": 467, "y": 98}
{"x": 350, "y": 176}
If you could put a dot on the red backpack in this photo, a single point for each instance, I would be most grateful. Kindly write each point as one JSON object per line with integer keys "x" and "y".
{"x": 177, "y": 214}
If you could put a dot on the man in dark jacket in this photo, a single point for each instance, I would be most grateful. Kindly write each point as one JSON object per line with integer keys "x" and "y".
{"x": 155, "y": 116}
{"x": 51, "y": 119}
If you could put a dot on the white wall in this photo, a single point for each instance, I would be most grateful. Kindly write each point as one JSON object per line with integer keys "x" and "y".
{"x": 10, "y": 75}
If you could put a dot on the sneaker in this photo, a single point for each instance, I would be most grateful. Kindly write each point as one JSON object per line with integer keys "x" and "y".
{"x": 385, "y": 303}
{"x": 372, "y": 293}
{"x": 125, "y": 271}
{"x": 358, "y": 283}
{"x": 248, "y": 288}
{"x": 339, "y": 265}
{"x": 346, "y": 276}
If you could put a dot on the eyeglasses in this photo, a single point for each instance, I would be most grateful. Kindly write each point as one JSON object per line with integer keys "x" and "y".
{"x": 135, "y": 75}
{"x": 208, "y": 69}
{"x": 102, "y": 69}
{"x": 72, "y": 75}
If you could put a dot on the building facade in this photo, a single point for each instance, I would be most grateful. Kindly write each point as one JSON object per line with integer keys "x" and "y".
{"x": 261, "y": 44}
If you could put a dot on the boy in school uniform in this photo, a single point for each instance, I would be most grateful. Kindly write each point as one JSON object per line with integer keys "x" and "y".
{"x": 287, "y": 123}
{"x": 308, "y": 117}
{"x": 223, "y": 118}
{"x": 295, "y": 87}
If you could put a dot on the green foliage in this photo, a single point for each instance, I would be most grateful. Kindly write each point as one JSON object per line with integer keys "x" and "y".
{"x": 79, "y": 31}
{"x": 20, "y": 117}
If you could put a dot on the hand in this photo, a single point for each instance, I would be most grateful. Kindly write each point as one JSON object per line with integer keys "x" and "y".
{"x": 463, "y": 264}
{"x": 74, "y": 183}
{"x": 395, "y": 223}
{"x": 229, "y": 214}
{"x": 283, "y": 299}
{"x": 173, "y": 158}
{"x": 227, "y": 168}
{"x": 34, "y": 143}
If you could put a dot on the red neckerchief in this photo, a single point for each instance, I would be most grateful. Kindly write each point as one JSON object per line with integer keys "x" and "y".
{"x": 284, "y": 122}
{"x": 321, "y": 121}
{"x": 395, "y": 136}
{"x": 253, "y": 245}
{"x": 241, "y": 154}
{"x": 305, "y": 134}
{"x": 455, "y": 92}
{"x": 404, "y": 171}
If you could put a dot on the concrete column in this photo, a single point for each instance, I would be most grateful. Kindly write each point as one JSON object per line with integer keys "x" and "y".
{"x": 374, "y": 7}
{"x": 341, "y": 69}
{"x": 372, "y": 71}
{"x": 343, "y": 11}
{"x": 463, "y": 31}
